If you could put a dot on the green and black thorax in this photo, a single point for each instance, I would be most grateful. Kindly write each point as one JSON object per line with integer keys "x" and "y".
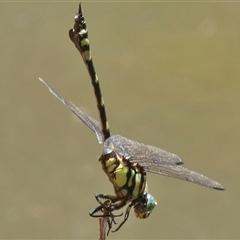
{"x": 128, "y": 179}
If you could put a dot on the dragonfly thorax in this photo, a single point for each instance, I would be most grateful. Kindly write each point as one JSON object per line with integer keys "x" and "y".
{"x": 128, "y": 179}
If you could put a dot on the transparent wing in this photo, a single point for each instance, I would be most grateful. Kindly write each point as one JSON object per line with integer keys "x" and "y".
{"x": 93, "y": 124}
{"x": 156, "y": 160}
{"x": 179, "y": 172}
{"x": 140, "y": 153}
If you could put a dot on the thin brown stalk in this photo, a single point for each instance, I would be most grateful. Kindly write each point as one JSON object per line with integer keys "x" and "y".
{"x": 104, "y": 222}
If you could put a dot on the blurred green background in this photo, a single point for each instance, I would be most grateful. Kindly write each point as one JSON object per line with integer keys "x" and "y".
{"x": 169, "y": 74}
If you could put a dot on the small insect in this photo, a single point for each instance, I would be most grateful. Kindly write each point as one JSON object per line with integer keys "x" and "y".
{"x": 124, "y": 161}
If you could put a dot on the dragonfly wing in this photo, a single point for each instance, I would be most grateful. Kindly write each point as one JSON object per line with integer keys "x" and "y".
{"x": 93, "y": 124}
{"x": 179, "y": 172}
{"x": 156, "y": 160}
{"x": 140, "y": 153}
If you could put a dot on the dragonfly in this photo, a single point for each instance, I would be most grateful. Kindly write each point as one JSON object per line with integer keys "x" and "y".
{"x": 124, "y": 161}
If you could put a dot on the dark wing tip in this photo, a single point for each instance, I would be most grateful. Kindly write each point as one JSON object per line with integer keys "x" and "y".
{"x": 177, "y": 159}
{"x": 220, "y": 187}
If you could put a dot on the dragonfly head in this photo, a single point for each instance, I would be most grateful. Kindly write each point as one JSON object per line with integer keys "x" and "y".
{"x": 144, "y": 206}
{"x": 108, "y": 148}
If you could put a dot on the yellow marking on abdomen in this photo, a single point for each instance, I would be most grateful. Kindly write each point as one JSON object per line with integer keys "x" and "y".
{"x": 107, "y": 125}
{"x": 84, "y": 42}
{"x": 87, "y": 55}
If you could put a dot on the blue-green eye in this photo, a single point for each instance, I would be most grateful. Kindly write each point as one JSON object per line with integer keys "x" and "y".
{"x": 151, "y": 203}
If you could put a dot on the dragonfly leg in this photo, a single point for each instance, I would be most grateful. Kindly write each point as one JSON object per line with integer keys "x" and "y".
{"x": 112, "y": 198}
{"x": 113, "y": 203}
{"x": 106, "y": 206}
{"x": 108, "y": 213}
{"x": 126, "y": 215}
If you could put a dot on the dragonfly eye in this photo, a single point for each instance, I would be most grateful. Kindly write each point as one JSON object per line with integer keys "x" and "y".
{"x": 151, "y": 203}
{"x": 144, "y": 207}
{"x": 108, "y": 147}
{"x": 106, "y": 151}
